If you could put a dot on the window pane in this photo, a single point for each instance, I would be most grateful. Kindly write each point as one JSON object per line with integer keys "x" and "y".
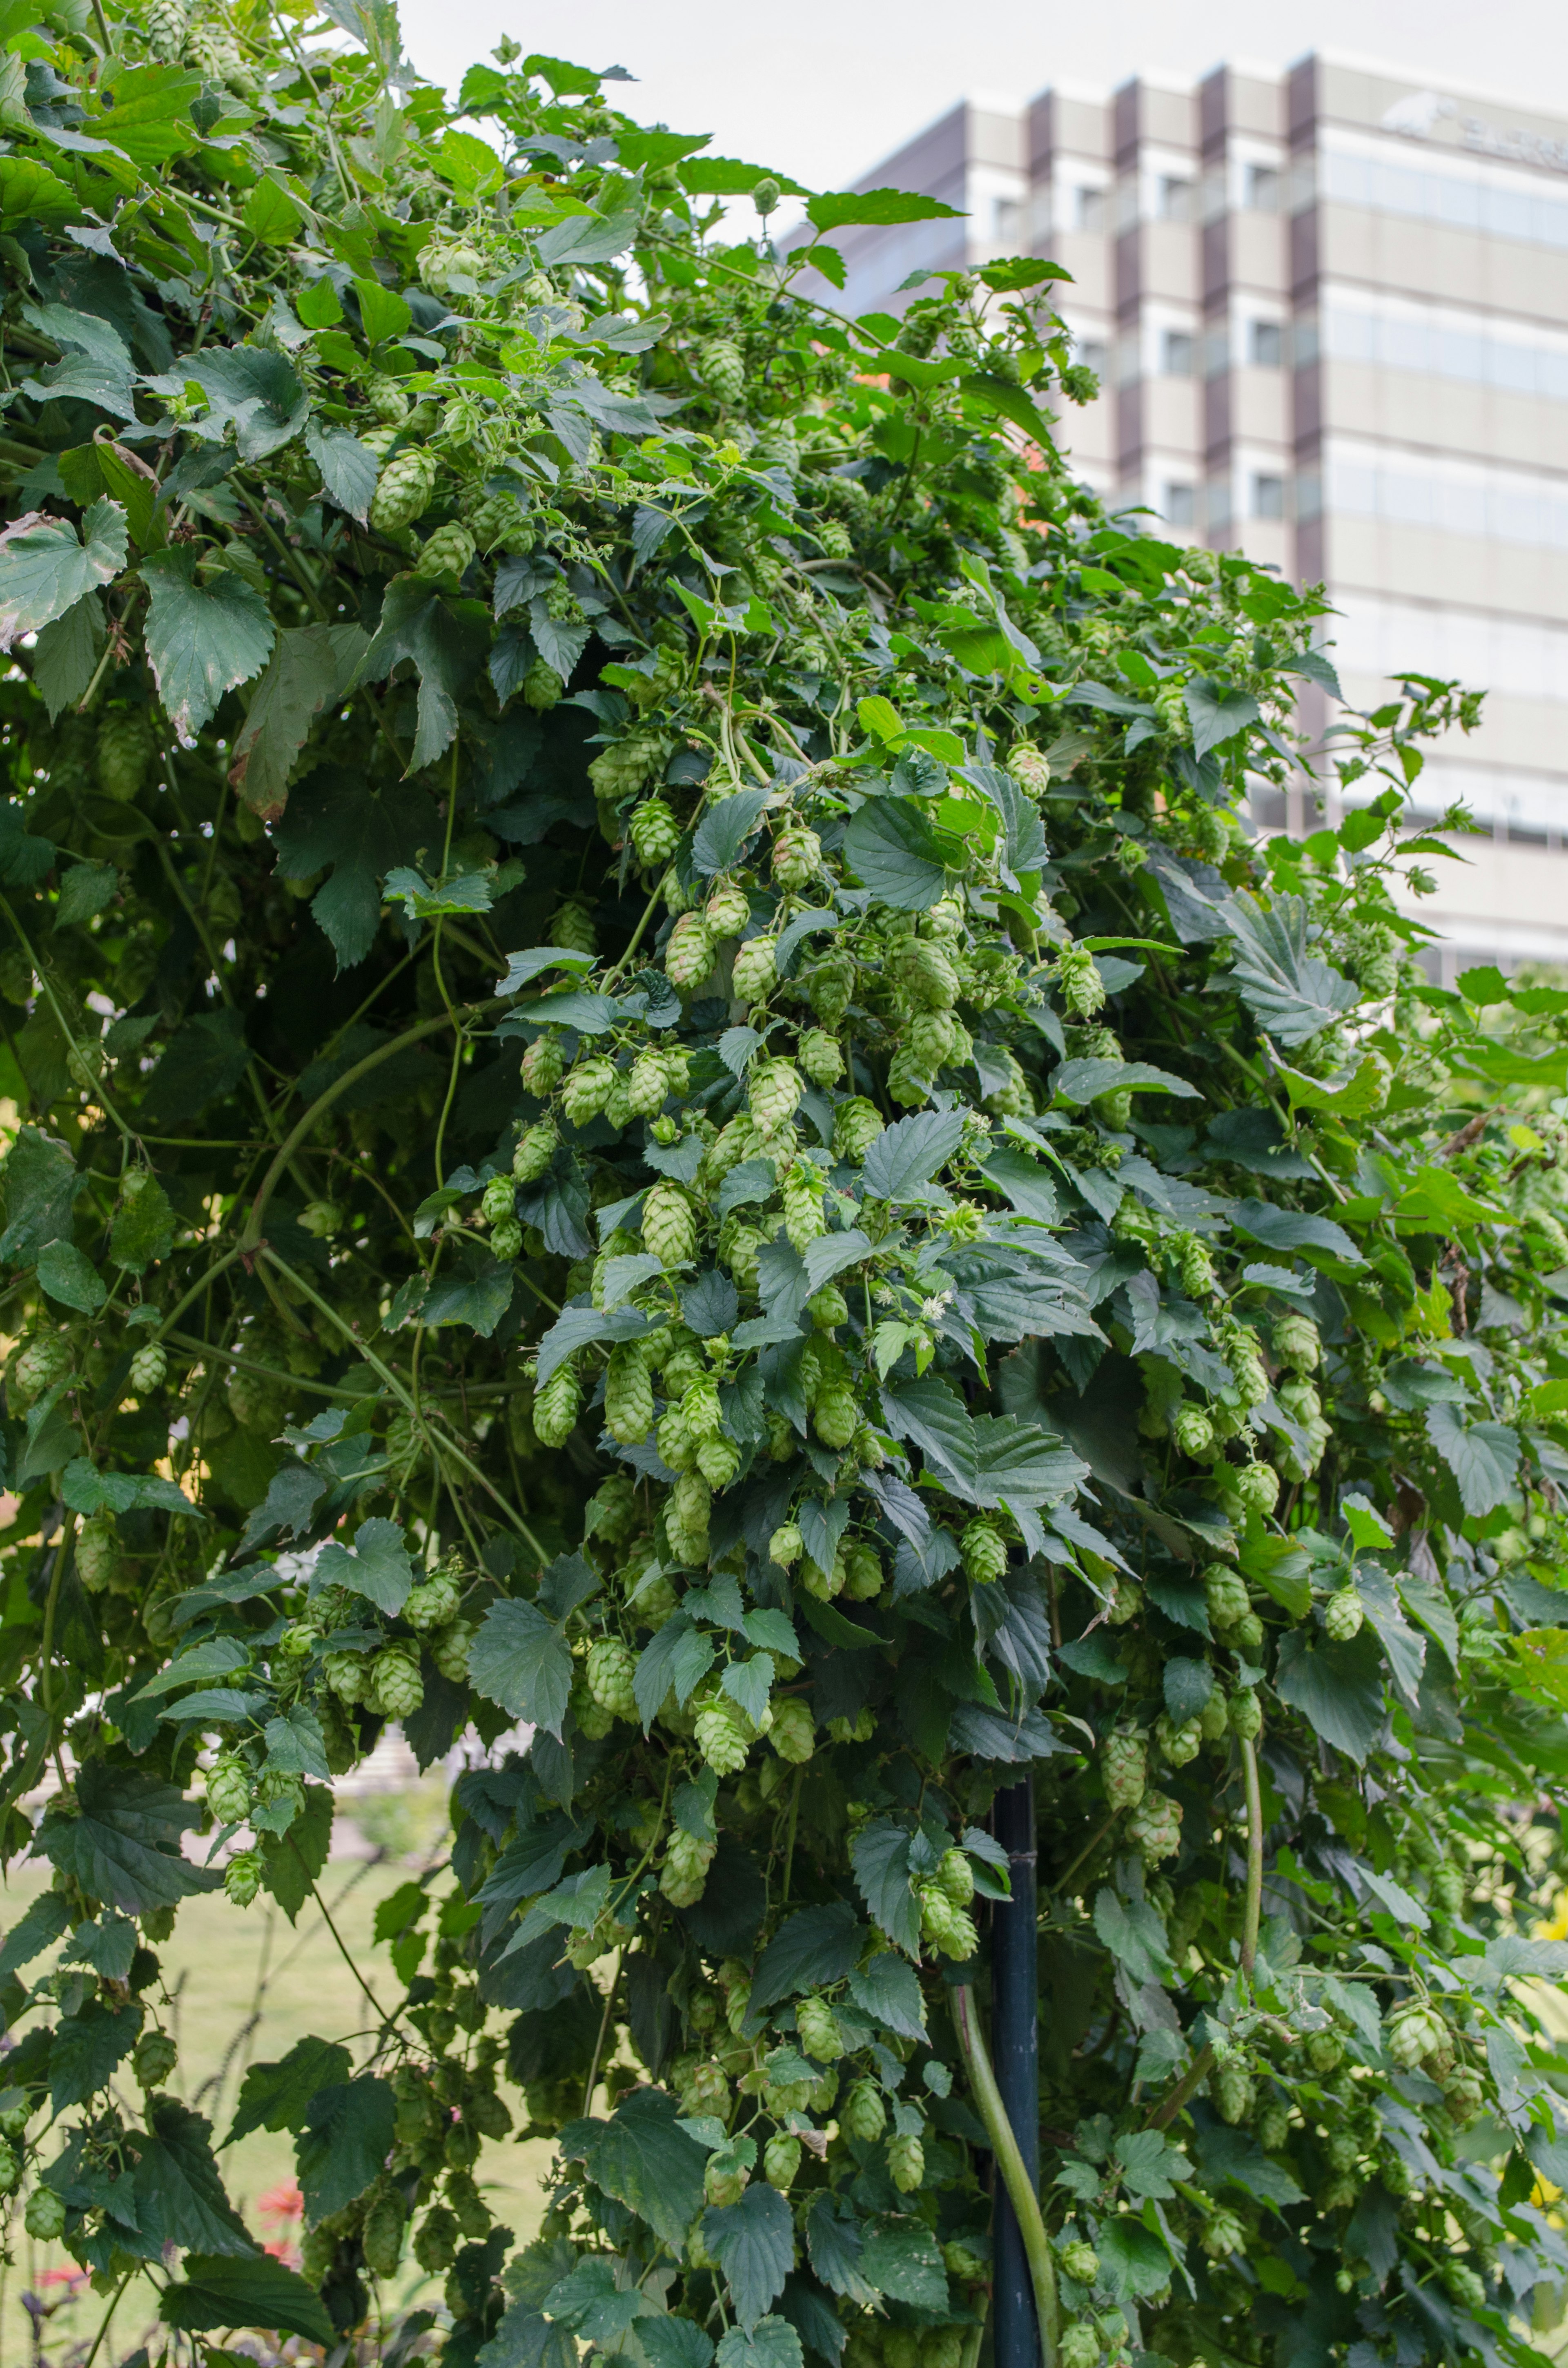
{"x": 1268, "y": 497}
{"x": 1178, "y": 353}
{"x": 1265, "y": 344}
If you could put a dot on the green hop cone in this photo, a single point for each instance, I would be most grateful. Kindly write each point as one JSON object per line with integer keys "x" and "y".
{"x": 818, "y": 2027}
{"x": 381, "y": 2232}
{"x": 1464, "y": 2092}
{"x": 1194, "y": 1433}
{"x": 1343, "y": 1614}
{"x": 684, "y": 1877}
{"x": 855, "y": 1126}
{"x": 1124, "y": 1768}
{"x": 754, "y": 972}
{"x": 906, "y": 2163}
{"x": 721, "y": 367}
{"x": 1080, "y": 2344}
{"x": 10, "y": 2168}
{"x": 166, "y": 23}
{"x": 506, "y": 1241}
{"x": 1258, "y": 1485}
{"x": 448, "y": 551}
{"x": 655, "y": 833}
{"x": 536, "y": 1146}
{"x": 793, "y": 1731}
{"x": 229, "y": 1790}
{"x": 1078, "y": 982}
{"x": 717, "y": 1460}
{"x": 556, "y": 1407}
{"x": 628, "y": 1395}
{"x": 1247, "y": 1714}
{"x": 1154, "y": 1827}
{"x": 863, "y": 1575}
{"x": 796, "y": 855}
{"x": 612, "y": 1666}
{"x": 1225, "y": 1593}
{"x": 542, "y": 686}
{"x": 686, "y": 1517}
{"x": 1414, "y": 2033}
{"x": 396, "y": 1686}
{"x": 781, "y": 2161}
{"x": 688, "y": 957}
{"x": 835, "y": 1416}
{"x": 804, "y": 1217}
{"x": 727, "y": 910}
{"x": 956, "y": 1876}
{"x": 721, "y": 1736}
{"x": 786, "y": 1545}
{"x": 1223, "y": 2235}
{"x": 1080, "y": 2261}
{"x": 724, "y": 2181}
{"x": 984, "y": 1553}
{"x": 97, "y": 1552}
{"x": 152, "y": 2059}
{"x": 242, "y": 1877}
{"x": 830, "y": 988}
{"x": 404, "y": 490}
{"x": 40, "y": 1362}
{"x": 348, "y": 1675}
{"x": 1272, "y": 2127}
{"x": 1296, "y": 1342}
{"x": 1325, "y": 2050}
{"x": 773, "y": 1093}
{"x": 450, "y": 1649}
{"x": 44, "y": 2218}
{"x": 669, "y": 1224}
{"x": 587, "y": 1088}
{"x": 819, "y": 1055}
{"x": 864, "y": 2115}
{"x": 649, "y": 1083}
{"x": 148, "y": 1369}
{"x": 544, "y": 1064}
{"x": 1179, "y": 1743}
{"x": 1234, "y": 2090}
{"x": 498, "y": 1200}
{"x": 436, "y": 2240}
{"x": 1194, "y": 1267}
{"x": 1446, "y": 1891}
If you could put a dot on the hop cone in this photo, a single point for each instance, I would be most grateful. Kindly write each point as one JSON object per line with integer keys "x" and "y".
{"x": 803, "y": 1216}
{"x": 721, "y": 367}
{"x": 688, "y": 957}
{"x": 655, "y": 833}
{"x": 434, "y": 1601}
{"x": 984, "y": 1553}
{"x": 556, "y": 1405}
{"x": 782, "y": 2160}
{"x": 396, "y": 1686}
{"x": 1123, "y": 1765}
{"x": 855, "y": 1126}
{"x": 450, "y": 1651}
{"x": 721, "y": 1736}
{"x": 242, "y": 1877}
{"x": 727, "y": 911}
{"x": 628, "y": 1395}
{"x": 864, "y": 2116}
{"x": 587, "y": 1088}
{"x": 404, "y": 491}
{"x": 683, "y": 1882}
{"x": 755, "y": 970}
{"x": 818, "y": 2027}
{"x": 446, "y": 553}
{"x": 669, "y": 1224}
{"x": 536, "y": 1144}
{"x": 793, "y": 1731}
{"x": 1154, "y": 1827}
{"x": 648, "y": 1085}
{"x": 122, "y": 754}
{"x": 1343, "y": 1614}
{"x": 1226, "y": 1595}
{"x": 906, "y": 2163}
{"x": 611, "y": 1668}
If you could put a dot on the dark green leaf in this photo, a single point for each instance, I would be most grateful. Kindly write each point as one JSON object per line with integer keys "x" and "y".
{"x": 66, "y": 654}
{"x": 889, "y": 1991}
{"x": 85, "y": 890}
{"x": 214, "y": 2294}
{"x": 349, "y": 470}
{"x": 41, "y": 1184}
{"x": 725, "y": 828}
{"x": 291, "y": 1861}
{"x": 851, "y": 208}
{"x": 276, "y": 2096}
{"x": 772, "y": 2342}
{"x": 346, "y": 2137}
{"x": 815, "y": 1947}
{"x": 1217, "y": 713}
{"x": 753, "y": 2243}
{"x": 522, "y": 1661}
{"x": 202, "y": 639}
{"x": 641, "y": 2158}
{"x": 1293, "y": 1229}
{"x": 1085, "y": 1080}
{"x": 1337, "y": 1688}
{"x": 835, "y": 2242}
{"x": 179, "y": 2195}
{"x": 143, "y": 1228}
{"x": 879, "y": 1856}
{"x": 1293, "y": 993}
{"x": 1135, "y": 1936}
{"x": 361, "y": 829}
{"x": 45, "y": 566}
{"x": 70, "y": 1278}
{"x": 124, "y": 1846}
{"x": 906, "y": 1156}
{"x": 1188, "y": 1685}
{"x": 379, "y": 1566}
{"x": 309, "y": 668}
{"x": 37, "y": 1929}
{"x": 897, "y": 854}
{"x": 205, "y": 1059}
{"x": 1482, "y": 1456}
{"x": 901, "y": 2258}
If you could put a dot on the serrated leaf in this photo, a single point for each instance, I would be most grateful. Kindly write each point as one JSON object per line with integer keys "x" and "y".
{"x": 359, "y": 830}
{"x": 70, "y": 1278}
{"x": 1294, "y": 994}
{"x": 123, "y": 1845}
{"x": 520, "y": 1660}
{"x": 66, "y": 654}
{"x": 1482, "y": 1456}
{"x": 879, "y": 1856}
{"x": 1135, "y": 1935}
{"x": 896, "y": 853}
{"x": 642, "y": 2159}
{"x": 1216, "y": 712}
{"x": 1337, "y": 1688}
{"x": 144, "y": 1227}
{"x": 447, "y": 640}
{"x": 349, "y": 471}
{"x": 213, "y": 2294}
{"x": 815, "y": 1948}
{"x": 346, "y": 2137}
{"x": 1294, "y": 1229}
{"x": 753, "y": 2243}
{"x": 89, "y": 2046}
{"x": 906, "y": 1156}
{"x": 85, "y": 889}
{"x": 902, "y": 2259}
{"x": 179, "y": 2195}
{"x": 889, "y": 1991}
{"x": 834, "y": 2241}
{"x": 1149, "y": 2164}
{"x": 39, "y": 1181}
{"x": 277, "y": 2096}
{"x": 46, "y": 567}
{"x": 202, "y": 639}
{"x": 309, "y": 668}
{"x": 378, "y": 1567}
{"x": 724, "y": 830}
{"x": 850, "y": 208}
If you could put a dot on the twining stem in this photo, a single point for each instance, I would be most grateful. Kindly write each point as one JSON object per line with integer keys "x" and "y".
{"x": 987, "y": 2100}
{"x": 1202, "y": 2063}
{"x": 387, "y": 2022}
{"x": 592, "y": 2079}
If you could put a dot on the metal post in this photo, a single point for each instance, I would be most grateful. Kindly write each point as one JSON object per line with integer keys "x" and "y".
{"x": 1015, "y": 1986}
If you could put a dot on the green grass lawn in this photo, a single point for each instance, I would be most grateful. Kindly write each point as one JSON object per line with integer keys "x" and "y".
{"x": 244, "y": 1985}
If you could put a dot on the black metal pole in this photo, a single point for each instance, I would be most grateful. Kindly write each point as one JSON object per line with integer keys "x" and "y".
{"x": 1015, "y": 1987}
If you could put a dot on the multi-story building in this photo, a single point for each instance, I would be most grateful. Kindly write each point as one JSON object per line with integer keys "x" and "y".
{"x": 1329, "y": 309}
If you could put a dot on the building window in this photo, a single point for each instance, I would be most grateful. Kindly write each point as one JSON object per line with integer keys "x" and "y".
{"x": 1217, "y": 505}
{"x": 1261, "y": 185}
{"x": 1176, "y": 196}
{"x": 1178, "y": 353}
{"x": 1095, "y": 356}
{"x": 1179, "y": 507}
{"x": 1267, "y": 497}
{"x": 1005, "y": 214}
{"x": 1089, "y": 209}
{"x": 1266, "y": 345}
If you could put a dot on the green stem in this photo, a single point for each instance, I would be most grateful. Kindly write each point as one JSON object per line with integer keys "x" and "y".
{"x": 592, "y": 2079}
{"x": 1252, "y": 1913}
{"x": 987, "y": 2098}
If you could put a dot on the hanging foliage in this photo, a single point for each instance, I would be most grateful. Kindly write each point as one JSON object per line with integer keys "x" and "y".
{"x": 670, "y": 1121}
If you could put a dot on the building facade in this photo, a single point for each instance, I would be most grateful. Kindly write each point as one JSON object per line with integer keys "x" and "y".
{"x": 1329, "y": 313}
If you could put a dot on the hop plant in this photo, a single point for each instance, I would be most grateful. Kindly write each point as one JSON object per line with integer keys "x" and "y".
{"x": 404, "y": 490}
{"x": 686, "y": 1517}
{"x": 556, "y": 1407}
{"x": 242, "y": 1877}
{"x": 1154, "y": 1827}
{"x": 98, "y": 1558}
{"x": 43, "y": 2216}
{"x": 450, "y": 1648}
{"x": 906, "y": 2163}
{"x": 587, "y": 1088}
{"x": 864, "y": 2115}
{"x": 1234, "y": 2090}
{"x": 1223, "y": 2235}
{"x": 818, "y": 2027}
{"x": 40, "y": 1362}
{"x": 448, "y": 551}
{"x": 610, "y": 1670}
{"x": 855, "y": 1126}
{"x": 797, "y": 858}
{"x": 166, "y": 22}
{"x": 688, "y": 957}
{"x": 498, "y": 1200}
{"x": 537, "y": 1144}
{"x": 396, "y": 1688}
{"x": 1246, "y": 1715}
{"x": 835, "y": 1416}
{"x": 629, "y": 1395}
{"x": 793, "y": 1731}
{"x": 773, "y": 1095}
{"x": 1124, "y": 1768}
{"x": 152, "y": 2059}
{"x": 1258, "y": 1485}
{"x": 1414, "y": 2033}
{"x": 785, "y": 1546}
{"x": 1193, "y": 1433}
{"x": 956, "y": 1876}
{"x": 655, "y": 833}
{"x": 229, "y": 1790}
{"x": 383, "y": 2231}
{"x": 781, "y": 2161}
{"x": 804, "y": 1218}
{"x": 1078, "y": 982}
{"x": 1179, "y": 1742}
{"x": 820, "y": 1057}
{"x": 1079, "y": 2346}
{"x": 984, "y": 1553}
{"x": 724, "y": 2181}
{"x": 123, "y": 753}
{"x": 669, "y": 1224}
{"x": 542, "y": 686}
{"x": 949, "y": 1928}
{"x": 721, "y": 367}
{"x": 721, "y": 1734}
{"x": 1343, "y": 1614}
{"x": 1080, "y": 2261}
{"x": 436, "y": 2240}
{"x": 1296, "y": 1342}
{"x": 755, "y": 970}
{"x": 684, "y": 1877}
{"x": 1225, "y": 1593}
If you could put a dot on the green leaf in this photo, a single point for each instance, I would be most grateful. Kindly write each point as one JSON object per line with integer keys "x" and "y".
{"x": 888, "y": 1991}
{"x": 214, "y": 2294}
{"x": 772, "y": 2342}
{"x": 277, "y": 2096}
{"x": 902, "y": 2259}
{"x": 879, "y": 1856}
{"x": 1293, "y": 993}
{"x": 204, "y": 1061}
{"x": 36, "y": 1930}
{"x": 87, "y": 1490}
{"x": 89, "y": 2046}
{"x": 346, "y": 2137}
{"x": 1293, "y": 1229}
{"x": 725, "y": 828}
{"x": 1086, "y": 1080}
{"x": 179, "y": 2195}
{"x": 468, "y": 891}
{"x": 318, "y": 305}
{"x": 351, "y": 473}
{"x": 291, "y": 1861}
{"x": 358, "y": 830}
{"x": 1350, "y": 1094}
{"x": 1133, "y": 2261}
{"x": 520, "y": 1660}
{"x": 124, "y": 1846}
{"x": 753, "y": 2243}
{"x": 727, "y": 176}
{"x": 70, "y": 1278}
{"x": 378, "y": 1566}
{"x": 66, "y": 654}
{"x": 270, "y": 214}
{"x": 202, "y": 639}
{"x": 908, "y": 1154}
{"x": 815, "y": 1948}
{"x": 835, "y": 2243}
{"x": 251, "y": 388}
{"x": 45, "y": 566}
{"x": 1337, "y": 1688}
{"x": 382, "y": 312}
{"x": 85, "y": 890}
{"x": 1232, "y": 2155}
{"x": 644, "y": 2160}
{"x": 309, "y": 668}
{"x": 1135, "y": 1935}
{"x": 39, "y": 1181}
{"x": 447, "y": 640}
{"x": 895, "y": 852}
{"x": 1217, "y": 713}
{"x": 1149, "y": 2164}
{"x": 1482, "y": 1456}
{"x": 470, "y": 167}
{"x": 873, "y": 209}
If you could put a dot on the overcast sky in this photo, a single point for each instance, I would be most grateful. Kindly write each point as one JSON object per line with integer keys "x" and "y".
{"x": 825, "y": 88}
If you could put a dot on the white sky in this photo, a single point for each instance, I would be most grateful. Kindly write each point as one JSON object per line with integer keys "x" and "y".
{"x": 824, "y": 88}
